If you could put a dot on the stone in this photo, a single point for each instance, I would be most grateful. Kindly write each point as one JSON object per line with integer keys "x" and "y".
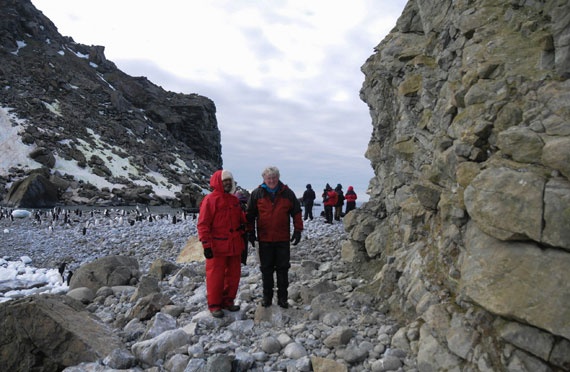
{"x": 526, "y": 338}
{"x": 43, "y": 156}
{"x": 557, "y": 214}
{"x": 497, "y": 276}
{"x": 151, "y": 351}
{"x": 34, "y": 191}
{"x": 146, "y": 307}
{"x": 270, "y": 345}
{"x": 339, "y": 336}
{"x": 192, "y": 251}
{"x": 106, "y": 271}
{"x": 161, "y": 268}
{"x": 294, "y": 350}
{"x": 327, "y": 365}
{"x": 522, "y": 144}
{"x": 53, "y": 331}
{"x": 82, "y": 294}
{"x": 499, "y": 192}
{"x": 148, "y": 284}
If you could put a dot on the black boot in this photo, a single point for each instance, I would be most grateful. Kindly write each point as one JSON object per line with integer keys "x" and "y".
{"x": 282, "y": 302}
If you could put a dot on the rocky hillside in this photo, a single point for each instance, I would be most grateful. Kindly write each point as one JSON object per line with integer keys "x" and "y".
{"x": 466, "y": 233}
{"x": 97, "y": 134}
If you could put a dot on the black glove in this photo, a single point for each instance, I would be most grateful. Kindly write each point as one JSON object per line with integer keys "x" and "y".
{"x": 208, "y": 253}
{"x": 296, "y": 237}
{"x": 252, "y": 238}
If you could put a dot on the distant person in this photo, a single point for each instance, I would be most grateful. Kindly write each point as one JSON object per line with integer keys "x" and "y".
{"x": 270, "y": 209}
{"x": 329, "y": 201}
{"x": 308, "y": 201}
{"x": 221, "y": 224}
{"x": 350, "y": 198}
{"x": 339, "y": 202}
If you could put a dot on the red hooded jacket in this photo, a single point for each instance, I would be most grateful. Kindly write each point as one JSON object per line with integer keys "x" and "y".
{"x": 350, "y": 195}
{"x": 221, "y": 223}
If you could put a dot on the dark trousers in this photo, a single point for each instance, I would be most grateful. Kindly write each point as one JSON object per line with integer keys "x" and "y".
{"x": 337, "y": 212}
{"x": 350, "y": 206}
{"x": 275, "y": 257}
{"x": 329, "y": 213}
{"x": 308, "y": 211}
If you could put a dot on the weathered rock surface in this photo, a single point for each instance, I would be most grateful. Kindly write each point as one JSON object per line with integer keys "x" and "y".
{"x": 34, "y": 191}
{"x": 106, "y": 272}
{"x": 467, "y": 225}
{"x": 49, "y": 333}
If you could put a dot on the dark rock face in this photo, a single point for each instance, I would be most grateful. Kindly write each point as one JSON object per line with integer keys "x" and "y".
{"x": 49, "y": 333}
{"x": 466, "y": 231}
{"x": 72, "y": 102}
{"x": 34, "y": 191}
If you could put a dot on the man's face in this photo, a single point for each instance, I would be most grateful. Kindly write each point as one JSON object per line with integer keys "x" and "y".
{"x": 228, "y": 183}
{"x": 271, "y": 181}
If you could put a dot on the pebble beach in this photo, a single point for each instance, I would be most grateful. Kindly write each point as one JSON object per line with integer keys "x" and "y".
{"x": 329, "y": 318}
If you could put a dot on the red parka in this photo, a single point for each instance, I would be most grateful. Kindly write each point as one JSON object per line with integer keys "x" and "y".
{"x": 221, "y": 223}
{"x": 350, "y": 195}
{"x": 273, "y": 216}
{"x": 332, "y": 198}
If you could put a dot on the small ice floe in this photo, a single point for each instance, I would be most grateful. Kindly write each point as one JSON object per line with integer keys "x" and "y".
{"x": 21, "y": 213}
{"x": 19, "y": 280}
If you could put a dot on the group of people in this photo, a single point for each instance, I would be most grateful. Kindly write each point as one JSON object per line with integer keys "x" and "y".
{"x": 229, "y": 221}
{"x": 225, "y": 228}
{"x": 332, "y": 199}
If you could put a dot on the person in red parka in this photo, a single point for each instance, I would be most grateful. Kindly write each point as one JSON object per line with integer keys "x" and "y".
{"x": 350, "y": 198}
{"x": 330, "y": 198}
{"x": 221, "y": 226}
{"x": 270, "y": 209}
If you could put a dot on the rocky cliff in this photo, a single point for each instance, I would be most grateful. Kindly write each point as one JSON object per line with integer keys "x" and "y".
{"x": 466, "y": 235}
{"x": 76, "y": 114}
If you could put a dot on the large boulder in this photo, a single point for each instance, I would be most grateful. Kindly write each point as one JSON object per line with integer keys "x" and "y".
{"x": 537, "y": 209}
{"x": 106, "y": 272}
{"x": 34, "y": 191}
{"x": 511, "y": 280}
{"x": 192, "y": 251}
{"x": 50, "y": 332}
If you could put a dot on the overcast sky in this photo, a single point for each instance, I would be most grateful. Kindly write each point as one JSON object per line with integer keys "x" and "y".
{"x": 284, "y": 75}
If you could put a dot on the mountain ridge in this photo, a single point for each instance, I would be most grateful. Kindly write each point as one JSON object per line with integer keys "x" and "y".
{"x": 78, "y": 114}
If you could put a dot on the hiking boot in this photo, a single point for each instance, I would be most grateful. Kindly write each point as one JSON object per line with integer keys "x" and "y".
{"x": 217, "y": 313}
{"x": 266, "y": 302}
{"x": 232, "y": 308}
{"x": 283, "y": 303}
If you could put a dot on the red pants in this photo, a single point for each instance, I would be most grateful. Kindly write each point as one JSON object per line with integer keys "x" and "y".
{"x": 222, "y": 280}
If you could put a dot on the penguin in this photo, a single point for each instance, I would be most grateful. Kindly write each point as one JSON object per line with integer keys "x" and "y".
{"x": 61, "y": 270}
{"x": 69, "y": 275}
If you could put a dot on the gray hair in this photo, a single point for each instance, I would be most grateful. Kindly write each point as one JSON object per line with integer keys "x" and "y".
{"x": 270, "y": 171}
